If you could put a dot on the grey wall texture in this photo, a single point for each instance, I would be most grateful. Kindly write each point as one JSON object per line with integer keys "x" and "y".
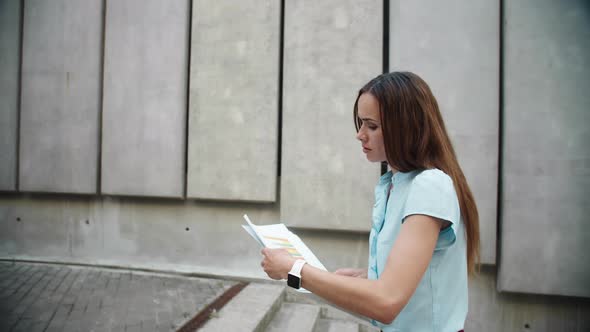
{"x": 133, "y": 102}
{"x": 145, "y": 98}
{"x": 10, "y": 24}
{"x": 331, "y": 48}
{"x": 234, "y": 95}
{"x": 546, "y": 169}
{"x": 60, "y": 98}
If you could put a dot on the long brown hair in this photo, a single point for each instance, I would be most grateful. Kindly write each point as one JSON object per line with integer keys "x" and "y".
{"x": 415, "y": 138}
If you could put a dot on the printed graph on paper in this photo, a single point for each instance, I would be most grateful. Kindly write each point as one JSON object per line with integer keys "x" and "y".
{"x": 277, "y": 242}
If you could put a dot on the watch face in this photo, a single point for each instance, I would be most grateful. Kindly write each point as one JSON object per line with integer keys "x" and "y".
{"x": 293, "y": 281}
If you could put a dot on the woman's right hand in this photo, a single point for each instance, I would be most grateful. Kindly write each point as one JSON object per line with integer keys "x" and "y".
{"x": 357, "y": 273}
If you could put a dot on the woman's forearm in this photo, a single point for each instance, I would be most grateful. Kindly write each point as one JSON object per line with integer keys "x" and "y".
{"x": 352, "y": 272}
{"x": 365, "y": 297}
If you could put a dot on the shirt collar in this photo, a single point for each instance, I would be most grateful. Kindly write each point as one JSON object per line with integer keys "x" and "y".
{"x": 386, "y": 178}
{"x": 401, "y": 176}
{"x": 397, "y": 177}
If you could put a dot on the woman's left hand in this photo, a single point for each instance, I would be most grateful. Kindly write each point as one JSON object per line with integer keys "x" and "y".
{"x": 277, "y": 263}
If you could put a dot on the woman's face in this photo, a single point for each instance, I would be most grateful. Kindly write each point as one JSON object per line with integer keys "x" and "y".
{"x": 370, "y": 133}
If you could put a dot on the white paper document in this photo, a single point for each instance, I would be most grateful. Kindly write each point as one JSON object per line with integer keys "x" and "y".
{"x": 279, "y": 236}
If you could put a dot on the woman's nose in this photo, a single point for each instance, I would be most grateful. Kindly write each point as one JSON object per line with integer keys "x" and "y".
{"x": 360, "y": 136}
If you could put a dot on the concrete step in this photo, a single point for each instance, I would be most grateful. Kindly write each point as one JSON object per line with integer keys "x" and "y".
{"x": 295, "y": 317}
{"x": 334, "y": 325}
{"x": 250, "y": 311}
{"x": 368, "y": 328}
{"x": 332, "y": 313}
{"x": 328, "y": 312}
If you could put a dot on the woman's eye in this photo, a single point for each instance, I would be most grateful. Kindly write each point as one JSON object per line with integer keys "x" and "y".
{"x": 372, "y": 127}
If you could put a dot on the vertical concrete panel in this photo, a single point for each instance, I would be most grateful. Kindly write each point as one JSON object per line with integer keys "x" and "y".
{"x": 145, "y": 88}
{"x": 546, "y": 159}
{"x": 10, "y": 22}
{"x": 492, "y": 311}
{"x": 454, "y": 47}
{"x": 234, "y": 100}
{"x": 60, "y": 102}
{"x": 331, "y": 49}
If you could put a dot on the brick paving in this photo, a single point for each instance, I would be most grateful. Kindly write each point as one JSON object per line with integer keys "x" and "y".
{"x": 45, "y": 297}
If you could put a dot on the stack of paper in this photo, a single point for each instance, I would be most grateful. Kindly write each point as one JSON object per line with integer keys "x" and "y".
{"x": 279, "y": 236}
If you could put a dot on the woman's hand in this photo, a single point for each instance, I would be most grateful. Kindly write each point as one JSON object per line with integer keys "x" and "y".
{"x": 357, "y": 273}
{"x": 277, "y": 263}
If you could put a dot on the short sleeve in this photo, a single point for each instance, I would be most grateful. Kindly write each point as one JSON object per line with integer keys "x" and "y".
{"x": 432, "y": 193}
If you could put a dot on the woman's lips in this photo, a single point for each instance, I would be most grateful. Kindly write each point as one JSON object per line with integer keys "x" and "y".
{"x": 365, "y": 149}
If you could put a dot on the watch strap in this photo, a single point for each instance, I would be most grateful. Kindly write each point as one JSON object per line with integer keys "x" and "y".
{"x": 297, "y": 267}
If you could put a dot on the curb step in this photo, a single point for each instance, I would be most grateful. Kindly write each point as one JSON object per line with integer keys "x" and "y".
{"x": 368, "y": 328}
{"x": 295, "y": 317}
{"x": 250, "y": 310}
{"x": 331, "y": 325}
{"x": 335, "y": 314}
{"x": 330, "y": 314}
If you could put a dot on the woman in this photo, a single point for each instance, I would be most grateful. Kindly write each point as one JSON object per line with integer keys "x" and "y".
{"x": 424, "y": 239}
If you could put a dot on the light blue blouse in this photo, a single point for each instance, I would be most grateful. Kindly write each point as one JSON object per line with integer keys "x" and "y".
{"x": 440, "y": 300}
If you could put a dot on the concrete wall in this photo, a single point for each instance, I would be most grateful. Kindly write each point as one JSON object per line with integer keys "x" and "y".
{"x": 234, "y": 95}
{"x": 490, "y": 310}
{"x": 546, "y": 169}
{"x": 60, "y": 98}
{"x": 190, "y": 236}
{"x": 145, "y": 98}
{"x": 10, "y": 37}
{"x": 331, "y": 48}
{"x": 124, "y": 126}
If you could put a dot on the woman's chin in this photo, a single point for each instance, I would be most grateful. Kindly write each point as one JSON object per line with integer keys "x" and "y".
{"x": 371, "y": 159}
{"x": 374, "y": 160}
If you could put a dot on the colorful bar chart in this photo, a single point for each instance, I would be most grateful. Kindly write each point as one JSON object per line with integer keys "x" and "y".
{"x": 283, "y": 243}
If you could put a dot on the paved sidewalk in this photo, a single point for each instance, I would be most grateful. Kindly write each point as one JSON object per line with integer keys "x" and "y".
{"x": 44, "y": 297}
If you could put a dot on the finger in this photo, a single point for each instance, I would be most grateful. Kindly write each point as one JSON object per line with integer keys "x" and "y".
{"x": 265, "y": 252}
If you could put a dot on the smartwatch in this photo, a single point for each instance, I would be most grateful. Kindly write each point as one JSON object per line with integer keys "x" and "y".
{"x": 294, "y": 276}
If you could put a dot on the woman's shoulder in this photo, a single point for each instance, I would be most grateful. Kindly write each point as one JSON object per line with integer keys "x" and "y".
{"x": 432, "y": 193}
{"x": 433, "y": 176}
